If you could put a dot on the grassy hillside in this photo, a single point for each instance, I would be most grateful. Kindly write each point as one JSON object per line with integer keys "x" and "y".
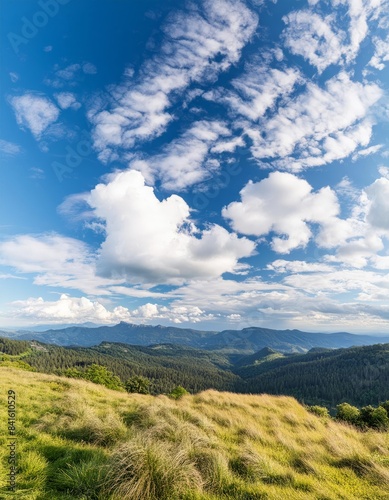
{"x": 77, "y": 440}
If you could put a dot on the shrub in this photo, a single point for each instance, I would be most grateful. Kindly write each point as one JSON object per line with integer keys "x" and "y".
{"x": 73, "y": 373}
{"x": 320, "y": 411}
{"x": 101, "y": 375}
{"x": 178, "y": 392}
{"x": 385, "y": 406}
{"x": 348, "y": 413}
{"x": 374, "y": 417}
{"x": 138, "y": 384}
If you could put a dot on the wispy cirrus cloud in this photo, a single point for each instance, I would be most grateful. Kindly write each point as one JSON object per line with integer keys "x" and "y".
{"x": 189, "y": 159}
{"x": 56, "y": 261}
{"x": 198, "y": 44}
{"x": 9, "y": 148}
{"x": 318, "y": 127}
{"x": 257, "y": 90}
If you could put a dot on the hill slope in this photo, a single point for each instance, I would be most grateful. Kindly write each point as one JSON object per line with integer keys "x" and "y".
{"x": 358, "y": 375}
{"x": 77, "y": 440}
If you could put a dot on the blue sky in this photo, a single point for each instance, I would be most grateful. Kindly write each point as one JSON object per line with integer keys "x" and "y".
{"x": 216, "y": 163}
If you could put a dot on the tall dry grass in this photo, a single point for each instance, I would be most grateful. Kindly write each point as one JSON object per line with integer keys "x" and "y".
{"x": 89, "y": 442}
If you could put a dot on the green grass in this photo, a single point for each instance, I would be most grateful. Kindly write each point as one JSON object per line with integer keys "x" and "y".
{"x": 78, "y": 440}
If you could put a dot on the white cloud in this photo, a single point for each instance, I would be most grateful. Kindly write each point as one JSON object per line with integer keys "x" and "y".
{"x": 361, "y": 237}
{"x": 187, "y": 159}
{"x": 34, "y": 112}
{"x": 67, "y": 100}
{"x": 32, "y": 254}
{"x": 334, "y": 38}
{"x": 56, "y": 260}
{"x": 378, "y": 211}
{"x": 368, "y": 151}
{"x": 312, "y": 36}
{"x": 9, "y": 148}
{"x": 319, "y": 126}
{"x": 381, "y": 53}
{"x": 70, "y": 75}
{"x": 155, "y": 241}
{"x": 298, "y": 266}
{"x": 193, "y": 40}
{"x": 257, "y": 90}
{"x": 89, "y": 68}
{"x": 82, "y": 309}
{"x": 73, "y": 309}
{"x": 284, "y": 204}
{"x": 298, "y": 301}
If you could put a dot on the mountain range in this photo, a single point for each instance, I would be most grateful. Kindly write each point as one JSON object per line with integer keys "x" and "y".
{"x": 245, "y": 341}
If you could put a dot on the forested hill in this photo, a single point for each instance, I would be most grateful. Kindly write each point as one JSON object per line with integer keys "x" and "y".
{"x": 358, "y": 375}
{"x": 246, "y": 341}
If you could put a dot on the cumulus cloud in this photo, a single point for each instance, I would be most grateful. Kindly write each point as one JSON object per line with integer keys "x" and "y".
{"x": 67, "y": 100}
{"x": 283, "y": 204}
{"x": 187, "y": 160}
{"x": 152, "y": 240}
{"x": 34, "y": 112}
{"x": 378, "y": 211}
{"x": 361, "y": 237}
{"x": 74, "y": 309}
{"x": 82, "y": 309}
{"x": 319, "y": 126}
{"x": 197, "y": 45}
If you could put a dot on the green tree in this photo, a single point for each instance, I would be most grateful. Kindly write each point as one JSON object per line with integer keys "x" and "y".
{"x": 73, "y": 373}
{"x": 101, "y": 375}
{"x": 178, "y": 392}
{"x": 385, "y": 406}
{"x": 348, "y": 413}
{"x": 374, "y": 417}
{"x": 138, "y": 384}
